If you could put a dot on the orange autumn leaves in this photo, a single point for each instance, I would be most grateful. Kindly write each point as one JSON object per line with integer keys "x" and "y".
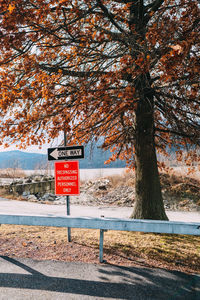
{"x": 82, "y": 64}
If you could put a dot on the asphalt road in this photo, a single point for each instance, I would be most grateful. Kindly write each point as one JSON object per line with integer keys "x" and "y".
{"x": 13, "y": 207}
{"x": 28, "y": 279}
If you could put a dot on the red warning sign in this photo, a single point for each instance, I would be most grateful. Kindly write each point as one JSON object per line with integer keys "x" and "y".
{"x": 67, "y": 178}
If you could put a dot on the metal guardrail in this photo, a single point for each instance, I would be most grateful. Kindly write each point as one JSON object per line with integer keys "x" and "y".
{"x": 104, "y": 224}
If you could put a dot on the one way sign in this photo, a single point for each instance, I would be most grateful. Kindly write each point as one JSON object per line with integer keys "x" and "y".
{"x": 62, "y": 153}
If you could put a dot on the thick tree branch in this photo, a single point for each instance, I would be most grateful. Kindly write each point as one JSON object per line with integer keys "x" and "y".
{"x": 110, "y": 16}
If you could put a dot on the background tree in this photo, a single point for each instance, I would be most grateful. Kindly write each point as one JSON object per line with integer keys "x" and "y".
{"x": 124, "y": 70}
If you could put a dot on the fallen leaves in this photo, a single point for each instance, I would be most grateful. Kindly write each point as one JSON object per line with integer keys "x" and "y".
{"x": 173, "y": 252}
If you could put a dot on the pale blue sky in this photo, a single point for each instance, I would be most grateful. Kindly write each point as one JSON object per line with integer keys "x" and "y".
{"x": 34, "y": 149}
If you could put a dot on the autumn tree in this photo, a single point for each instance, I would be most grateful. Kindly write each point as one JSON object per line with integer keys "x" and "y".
{"x": 123, "y": 70}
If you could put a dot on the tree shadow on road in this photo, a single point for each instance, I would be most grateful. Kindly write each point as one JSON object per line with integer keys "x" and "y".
{"x": 113, "y": 282}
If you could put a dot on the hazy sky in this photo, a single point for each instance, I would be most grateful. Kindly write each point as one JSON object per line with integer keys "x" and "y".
{"x": 34, "y": 149}
{"x": 29, "y": 149}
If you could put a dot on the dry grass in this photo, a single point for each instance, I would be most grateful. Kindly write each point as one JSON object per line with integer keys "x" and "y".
{"x": 184, "y": 171}
{"x": 174, "y": 252}
{"x": 5, "y": 194}
{"x": 12, "y": 173}
{"x": 181, "y": 187}
{"x": 126, "y": 179}
{"x": 174, "y": 174}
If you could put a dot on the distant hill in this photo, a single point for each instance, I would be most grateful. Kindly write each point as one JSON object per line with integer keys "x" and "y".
{"x": 94, "y": 159}
{"x": 23, "y": 160}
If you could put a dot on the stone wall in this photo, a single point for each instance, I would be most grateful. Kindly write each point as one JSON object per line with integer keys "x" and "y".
{"x": 40, "y": 187}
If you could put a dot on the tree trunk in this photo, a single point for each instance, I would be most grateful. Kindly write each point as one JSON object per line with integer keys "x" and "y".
{"x": 148, "y": 201}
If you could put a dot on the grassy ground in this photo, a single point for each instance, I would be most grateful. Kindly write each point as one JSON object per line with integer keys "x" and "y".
{"x": 173, "y": 252}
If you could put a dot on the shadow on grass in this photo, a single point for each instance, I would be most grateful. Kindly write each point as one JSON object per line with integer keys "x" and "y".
{"x": 157, "y": 253}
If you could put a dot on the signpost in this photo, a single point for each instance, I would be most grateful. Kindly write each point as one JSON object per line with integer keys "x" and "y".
{"x": 66, "y": 172}
{"x": 67, "y": 178}
{"x": 62, "y": 153}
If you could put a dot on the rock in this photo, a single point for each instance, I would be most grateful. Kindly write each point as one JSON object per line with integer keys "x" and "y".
{"x": 38, "y": 195}
{"x": 32, "y": 197}
{"x": 25, "y": 194}
{"x": 37, "y": 178}
{"x": 184, "y": 202}
{"x": 19, "y": 181}
{"x": 44, "y": 178}
{"x": 103, "y": 187}
{"x": 48, "y": 197}
{"x": 60, "y": 200}
{"x": 28, "y": 180}
{"x": 100, "y": 184}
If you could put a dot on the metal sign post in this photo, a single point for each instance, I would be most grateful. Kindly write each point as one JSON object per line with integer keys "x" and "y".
{"x": 68, "y": 213}
{"x": 64, "y": 184}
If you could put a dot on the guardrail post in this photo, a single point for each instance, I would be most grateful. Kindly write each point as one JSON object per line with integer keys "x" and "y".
{"x": 101, "y": 246}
